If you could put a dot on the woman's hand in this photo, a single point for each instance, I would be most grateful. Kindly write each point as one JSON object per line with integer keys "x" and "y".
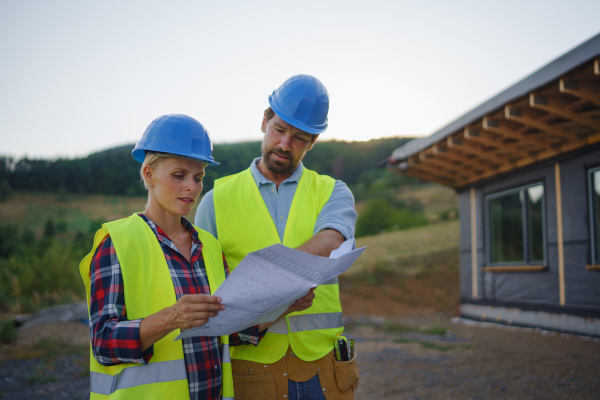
{"x": 193, "y": 310}
{"x": 190, "y": 311}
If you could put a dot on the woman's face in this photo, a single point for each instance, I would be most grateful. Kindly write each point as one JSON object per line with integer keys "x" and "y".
{"x": 176, "y": 184}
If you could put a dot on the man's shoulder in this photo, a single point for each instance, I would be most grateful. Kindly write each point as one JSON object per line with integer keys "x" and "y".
{"x": 230, "y": 178}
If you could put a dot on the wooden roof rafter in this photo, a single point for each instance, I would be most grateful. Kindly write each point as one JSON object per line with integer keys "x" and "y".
{"x": 554, "y": 111}
{"x": 456, "y": 169}
{"x": 480, "y": 136}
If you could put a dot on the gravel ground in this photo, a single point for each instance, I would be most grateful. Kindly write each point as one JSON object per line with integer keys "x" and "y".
{"x": 467, "y": 362}
{"x": 479, "y": 363}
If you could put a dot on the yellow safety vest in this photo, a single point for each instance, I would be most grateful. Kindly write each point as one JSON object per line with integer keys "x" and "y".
{"x": 244, "y": 225}
{"x": 148, "y": 289}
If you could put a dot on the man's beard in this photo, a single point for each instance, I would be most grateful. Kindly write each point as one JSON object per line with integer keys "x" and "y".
{"x": 276, "y": 166}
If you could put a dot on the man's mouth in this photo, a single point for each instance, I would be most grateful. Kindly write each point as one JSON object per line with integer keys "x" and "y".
{"x": 281, "y": 157}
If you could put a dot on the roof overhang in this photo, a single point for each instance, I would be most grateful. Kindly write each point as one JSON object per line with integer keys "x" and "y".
{"x": 553, "y": 111}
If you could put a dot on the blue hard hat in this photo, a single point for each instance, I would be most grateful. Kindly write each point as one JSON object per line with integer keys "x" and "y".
{"x": 302, "y": 101}
{"x": 176, "y": 134}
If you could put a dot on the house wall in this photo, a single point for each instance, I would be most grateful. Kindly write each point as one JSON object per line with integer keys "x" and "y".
{"x": 582, "y": 287}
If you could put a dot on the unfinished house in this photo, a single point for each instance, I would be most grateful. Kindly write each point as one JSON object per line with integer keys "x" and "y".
{"x": 526, "y": 165}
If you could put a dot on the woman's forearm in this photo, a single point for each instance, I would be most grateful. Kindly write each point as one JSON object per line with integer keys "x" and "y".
{"x": 155, "y": 327}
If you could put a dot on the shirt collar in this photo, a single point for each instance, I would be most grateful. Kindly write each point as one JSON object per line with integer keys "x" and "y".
{"x": 163, "y": 237}
{"x": 261, "y": 180}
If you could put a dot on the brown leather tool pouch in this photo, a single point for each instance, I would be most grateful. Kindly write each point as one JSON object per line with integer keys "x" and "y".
{"x": 252, "y": 381}
{"x": 337, "y": 377}
{"x": 346, "y": 373}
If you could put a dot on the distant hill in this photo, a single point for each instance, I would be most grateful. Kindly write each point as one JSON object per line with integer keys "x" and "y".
{"x": 114, "y": 171}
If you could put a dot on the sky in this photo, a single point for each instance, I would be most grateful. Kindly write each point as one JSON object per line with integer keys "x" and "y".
{"x": 79, "y": 77}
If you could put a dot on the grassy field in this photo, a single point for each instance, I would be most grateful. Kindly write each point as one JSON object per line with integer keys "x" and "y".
{"x": 46, "y": 272}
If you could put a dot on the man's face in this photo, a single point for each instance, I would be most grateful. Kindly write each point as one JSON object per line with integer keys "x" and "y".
{"x": 284, "y": 145}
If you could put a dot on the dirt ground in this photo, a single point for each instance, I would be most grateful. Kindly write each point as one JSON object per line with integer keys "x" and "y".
{"x": 397, "y": 360}
{"x": 408, "y": 348}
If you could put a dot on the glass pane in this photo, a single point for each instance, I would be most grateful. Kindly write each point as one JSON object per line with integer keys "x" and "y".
{"x": 535, "y": 195}
{"x": 596, "y": 217}
{"x": 506, "y": 220}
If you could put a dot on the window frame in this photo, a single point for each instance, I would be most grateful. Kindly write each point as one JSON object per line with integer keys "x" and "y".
{"x": 594, "y": 230}
{"x": 525, "y": 215}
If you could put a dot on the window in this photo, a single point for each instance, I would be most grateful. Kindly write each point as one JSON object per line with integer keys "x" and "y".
{"x": 594, "y": 185}
{"x": 515, "y": 222}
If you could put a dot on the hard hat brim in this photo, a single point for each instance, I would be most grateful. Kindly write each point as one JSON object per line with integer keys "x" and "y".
{"x": 139, "y": 154}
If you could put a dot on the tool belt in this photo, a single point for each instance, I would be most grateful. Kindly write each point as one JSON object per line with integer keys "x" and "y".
{"x": 254, "y": 381}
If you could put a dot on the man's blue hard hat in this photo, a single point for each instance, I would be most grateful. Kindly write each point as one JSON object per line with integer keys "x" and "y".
{"x": 302, "y": 101}
{"x": 176, "y": 134}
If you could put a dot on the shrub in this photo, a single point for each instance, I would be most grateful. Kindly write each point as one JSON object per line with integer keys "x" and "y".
{"x": 8, "y": 332}
{"x": 381, "y": 216}
{"x": 5, "y": 191}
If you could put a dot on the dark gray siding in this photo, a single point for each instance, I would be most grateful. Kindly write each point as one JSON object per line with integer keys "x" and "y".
{"x": 582, "y": 287}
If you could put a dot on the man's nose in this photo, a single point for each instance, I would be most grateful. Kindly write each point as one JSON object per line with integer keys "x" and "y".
{"x": 285, "y": 142}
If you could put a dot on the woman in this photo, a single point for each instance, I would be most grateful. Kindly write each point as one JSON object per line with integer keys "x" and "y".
{"x": 152, "y": 274}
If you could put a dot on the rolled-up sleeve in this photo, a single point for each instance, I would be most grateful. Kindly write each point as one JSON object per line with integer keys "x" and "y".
{"x": 338, "y": 213}
{"x": 114, "y": 339}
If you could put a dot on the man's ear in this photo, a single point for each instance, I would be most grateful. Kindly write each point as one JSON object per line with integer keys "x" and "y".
{"x": 263, "y": 126}
{"x": 312, "y": 142}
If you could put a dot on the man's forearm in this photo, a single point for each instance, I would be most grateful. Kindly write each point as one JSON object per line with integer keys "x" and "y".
{"x": 323, "y": 243}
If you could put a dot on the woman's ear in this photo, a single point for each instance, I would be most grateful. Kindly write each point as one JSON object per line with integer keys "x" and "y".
{"x": 148, "y": 175}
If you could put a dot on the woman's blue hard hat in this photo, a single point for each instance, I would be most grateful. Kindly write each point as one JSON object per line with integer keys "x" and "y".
{"x": 302, "y": 101}
{"x": 176, "y": 134}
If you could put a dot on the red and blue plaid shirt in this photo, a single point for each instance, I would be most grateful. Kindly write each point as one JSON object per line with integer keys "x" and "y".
{"x": 116, "y": 340}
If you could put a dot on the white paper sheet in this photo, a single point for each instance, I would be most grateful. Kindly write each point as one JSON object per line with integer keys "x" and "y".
{"x": 267, "y": 281}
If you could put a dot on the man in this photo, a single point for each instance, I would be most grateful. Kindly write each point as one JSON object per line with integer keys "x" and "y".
{"x": 277, "y": 200}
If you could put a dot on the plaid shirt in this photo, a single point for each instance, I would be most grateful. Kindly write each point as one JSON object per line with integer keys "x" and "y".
{"x": 116, "y": 340}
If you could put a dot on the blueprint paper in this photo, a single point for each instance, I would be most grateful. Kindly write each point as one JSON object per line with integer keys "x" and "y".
{"x": 266, "y": 282}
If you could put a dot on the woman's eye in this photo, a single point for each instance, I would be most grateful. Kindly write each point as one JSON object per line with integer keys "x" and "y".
{"x": 179, "y": 176}
{"x": 198, "y": 180}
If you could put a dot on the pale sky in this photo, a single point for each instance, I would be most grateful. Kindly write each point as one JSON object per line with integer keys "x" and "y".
{"x": 78, "y": 77}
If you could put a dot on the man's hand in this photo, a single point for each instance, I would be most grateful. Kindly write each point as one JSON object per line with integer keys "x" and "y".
{"x": 192, "y": 310}
{"x": 302, "y": 303}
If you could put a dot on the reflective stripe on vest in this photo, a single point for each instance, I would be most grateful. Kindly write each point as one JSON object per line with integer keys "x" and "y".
{"x": 244, "y": 224}
{"x": 165, "y": 371}
{"x": 143, "y": 266}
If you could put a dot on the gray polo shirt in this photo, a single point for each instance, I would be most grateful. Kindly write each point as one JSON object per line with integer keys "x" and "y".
{"x": 338, "y": 213}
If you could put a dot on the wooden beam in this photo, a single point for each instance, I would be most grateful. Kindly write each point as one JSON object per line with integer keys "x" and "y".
{"x": 558, "y": 106}
{"x": 443, "y": 150}
{"x": 475, "y": 135}
{"x": 581, "y": 89}
{"x": 443, "y": 172}
{"x": 592, "y": 267}
{"x": 477, "y": 151}
{"x": 521, "y": 268}
{"x": 499, "y": 126}
{"x": 525, "y": 117}
{"x": 474, "y": 265}
{"x": 597, "y": 66}
{"x": 427, "y": 176}
{"x": 559, "y": 232}
{"x": 436, "y": 161}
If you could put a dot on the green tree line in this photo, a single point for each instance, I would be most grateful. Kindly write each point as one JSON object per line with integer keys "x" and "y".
{"x": 115, "y": 172}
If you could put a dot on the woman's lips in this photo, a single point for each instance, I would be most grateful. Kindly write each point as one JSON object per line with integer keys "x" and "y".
{"x": 186, "y": 200}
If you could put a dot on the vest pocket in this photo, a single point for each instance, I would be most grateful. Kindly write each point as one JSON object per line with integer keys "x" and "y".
{"x": 346, "y": 373}
{"x": 254, "y": 387}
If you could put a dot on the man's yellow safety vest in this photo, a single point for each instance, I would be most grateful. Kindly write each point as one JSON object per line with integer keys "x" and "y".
{"x": 244, "y": 225}
{"x": 148, "y": 289}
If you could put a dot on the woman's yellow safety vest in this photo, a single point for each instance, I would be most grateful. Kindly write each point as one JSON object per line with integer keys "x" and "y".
{"x": 148, "y": 289}
{"x": 244, "y": 225}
